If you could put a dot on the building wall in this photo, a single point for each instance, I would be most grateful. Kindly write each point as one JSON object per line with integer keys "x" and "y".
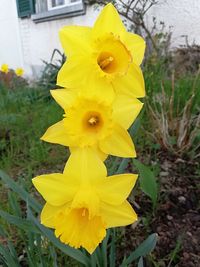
{"x": 183, "y": 16}
{"x": 10, "y": 43}
{"x": 40, "y": 39}
{"x": 25, "y": 43}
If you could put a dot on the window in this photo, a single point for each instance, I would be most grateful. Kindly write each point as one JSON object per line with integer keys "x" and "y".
{"x": 54, "y": 4}
{"x": 46, "y": 10}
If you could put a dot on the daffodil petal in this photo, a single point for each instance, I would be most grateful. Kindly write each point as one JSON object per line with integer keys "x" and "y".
{"x": 100, "y": 153}
{"x": 57, "y": 134}
{"x": 125, "y": 110}
{"x": 73, "y": 74}
{"x": 56, "y": 188}
{"x": 136, "y": 45}
{"x": 85, "y": 165}
{"x": 48, "y": 214}
{"x": 108, "y": 21}
{"x": 115, "y": 189}
{"x": 75, "y": 39}
{"x": 132, "y": 83}
{"x": 120, "y": 215}
{"x": 63, "y": 97}
{"x": 119, "y": 143}
{"x": 98, "y": 87}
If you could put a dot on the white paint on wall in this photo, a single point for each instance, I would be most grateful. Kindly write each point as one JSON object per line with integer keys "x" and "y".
{"x": 40, "y": 39}
{"x": 183, "y": 16}
{"x": 25, "y": 43}
{"x": 10, "y": 41}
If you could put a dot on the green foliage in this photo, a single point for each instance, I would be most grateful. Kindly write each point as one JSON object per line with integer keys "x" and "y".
{"x": 49, "y": 75}
{"x": 147, "y": 181}
{"x": 144, "y": 248}
{"x": 25, "y": 115}
{"x": 172, "y": 111}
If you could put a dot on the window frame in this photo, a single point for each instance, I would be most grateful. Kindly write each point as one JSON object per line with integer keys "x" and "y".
{"x": 72, "y": 9}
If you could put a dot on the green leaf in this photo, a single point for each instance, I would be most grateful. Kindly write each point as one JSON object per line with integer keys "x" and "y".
{"x": 147, "y": 181}
{"x": 24, "y": 224}
{"x": 7, "y": 257}
{"x": 112, "y": 256}
{"x": 144, "y": 248}
{"x": 71, "y": 252}
{"x": 135, "y": 126}
{"x": 20, "y": 191}
{"x": 13, "y": 203}
{"x": 140, "y": 263}
{"x": 104, "y": 248}
{"x": 123, "y": 165}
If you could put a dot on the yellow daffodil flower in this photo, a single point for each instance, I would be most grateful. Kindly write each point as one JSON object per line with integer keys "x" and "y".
{"x": 105, "y": 55}
{"x": 4, "y": 68}
{"x": 19, "y": 72}
{"x": 92, "y": 122}
{"x": 82, "y": 202}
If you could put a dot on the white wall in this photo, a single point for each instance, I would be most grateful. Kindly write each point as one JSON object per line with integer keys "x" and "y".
{"x": 10, "y": 43}
{"x": 25, "y": 43}
{"x": 40, "y": 39}
{"x": 183, "y": 16}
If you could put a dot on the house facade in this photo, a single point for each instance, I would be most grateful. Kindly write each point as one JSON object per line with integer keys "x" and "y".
{"x": 29, "y": 28}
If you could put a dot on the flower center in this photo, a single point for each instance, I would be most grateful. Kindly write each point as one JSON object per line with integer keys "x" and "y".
{"x": 113, "y": 56}
{"x": 92, "y": 121}
{"x": 84, "y": 212}
{"x": 105, "y": 61}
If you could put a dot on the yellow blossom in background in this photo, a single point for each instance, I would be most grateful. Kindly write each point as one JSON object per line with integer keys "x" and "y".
{"x": 105, "y": 55}
{"x": 19, "y": 72}
{"x": 4, "y": 68}
{"x": 94, "y": 122}
{"x": 82, "y": 202}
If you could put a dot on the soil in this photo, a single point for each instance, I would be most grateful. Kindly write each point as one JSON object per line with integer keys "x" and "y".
{"x": 176, "y": 219}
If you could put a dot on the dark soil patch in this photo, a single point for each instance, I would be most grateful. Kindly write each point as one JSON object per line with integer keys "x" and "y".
{"x": 176, "y": 219}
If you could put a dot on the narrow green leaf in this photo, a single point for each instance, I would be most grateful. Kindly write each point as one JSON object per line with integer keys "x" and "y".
{"x": 7, "y": 258}
{"x": 147, "y": 181}
{"x": 144, "y": 248}
{"x": 134, "y": 127}
{"x": 123, "y": 165}
{"x": 71, "y": 252}
{"x": 24, "y": 224}
{"x": 3, "y": 232}
{"x": 20, "y": 191}
{"x": 13, "y": 203}
{"x": 53, "y": 256}
{"x": 140, "y": 263}
{"x": 12, "y": 250}
{"x": 112, "y": 249}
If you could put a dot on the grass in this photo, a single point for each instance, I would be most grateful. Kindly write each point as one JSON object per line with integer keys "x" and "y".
{"x": 25, "y": 115}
